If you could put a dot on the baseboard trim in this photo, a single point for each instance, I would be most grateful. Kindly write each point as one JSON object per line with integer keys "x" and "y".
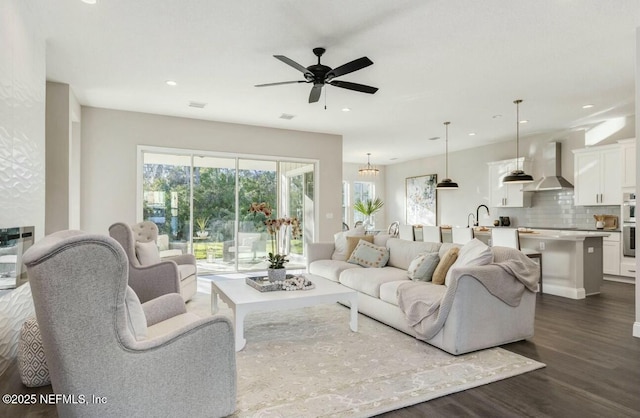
{"x": 636, "y": 329}
{"x": 563, "y": 291}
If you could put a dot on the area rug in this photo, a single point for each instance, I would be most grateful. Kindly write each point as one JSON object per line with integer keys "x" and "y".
{"x": 307, "y": 363}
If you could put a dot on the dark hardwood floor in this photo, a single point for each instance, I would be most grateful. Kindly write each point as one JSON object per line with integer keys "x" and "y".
{"x": 593, "y": 367}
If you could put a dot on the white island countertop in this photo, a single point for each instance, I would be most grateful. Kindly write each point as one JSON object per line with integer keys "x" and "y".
{"x": 553, "y": 234}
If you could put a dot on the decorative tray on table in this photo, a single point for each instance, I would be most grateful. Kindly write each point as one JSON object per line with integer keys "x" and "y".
{"x": 263, "y": 284}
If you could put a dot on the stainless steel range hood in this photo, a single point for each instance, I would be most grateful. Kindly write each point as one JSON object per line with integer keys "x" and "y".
{"x": 552, "y": 176}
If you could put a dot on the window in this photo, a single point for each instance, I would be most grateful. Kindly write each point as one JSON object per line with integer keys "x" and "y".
{"x": 201, "y": 202}
{"x": 362, "y": 191}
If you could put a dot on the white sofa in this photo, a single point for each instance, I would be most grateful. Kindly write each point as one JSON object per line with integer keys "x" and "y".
{"x": 476, "y": 320}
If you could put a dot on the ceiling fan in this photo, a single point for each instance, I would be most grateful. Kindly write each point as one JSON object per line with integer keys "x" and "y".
{"x": 320, "y": 75}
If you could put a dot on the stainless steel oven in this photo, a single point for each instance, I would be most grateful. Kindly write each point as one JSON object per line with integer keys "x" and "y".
{"x": 629, "y": 208}
{"x": 629, "y": 240}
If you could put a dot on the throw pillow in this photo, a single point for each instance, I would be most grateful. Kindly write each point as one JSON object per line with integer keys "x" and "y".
{"x": 352, "y": 243}
{"x": 137, "y": 321}
{"x": 367, "y": 254}
{"x": 473, "y": 253}
{"x": 147, "y": 253}
{"x": 423, "y": 266}
{"x": 440, "y": 273}
{"x": 340, "y": 243}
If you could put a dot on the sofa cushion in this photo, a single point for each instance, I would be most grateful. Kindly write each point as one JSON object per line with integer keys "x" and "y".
{"x": 389, "y": 291}
{"x": 136, "y": 320}
{"x": 369, "y": 255}
{"x": 330, "y": 269}
{"x": 473, "y": 253}
{"x": 340, "y": 243}
{"x": 402, "y": 252}
{"x": 147, "y": 253}
{"x": 352, "y": 243}
{"x": 368, "y": 281}
{"x": 446, "y": 261}
{"x": 423, "y": 266}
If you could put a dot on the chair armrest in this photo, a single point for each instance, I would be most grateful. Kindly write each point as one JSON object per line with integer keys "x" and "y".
{"x": 203, "y": 350}
{"x": 319, "y": 251}
{"x": 183, "y": 259}
{"x": 164, "y": 307}
{"x": 150, "y": 282}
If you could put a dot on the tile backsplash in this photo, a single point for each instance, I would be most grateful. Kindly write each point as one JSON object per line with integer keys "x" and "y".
{"x": 555, "y": 209}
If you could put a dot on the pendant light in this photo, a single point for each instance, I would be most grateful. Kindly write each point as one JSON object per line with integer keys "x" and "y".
{"x": 368, "y": 170}
{"x": 447, "y": 183}
{"x": 517, "y": 176}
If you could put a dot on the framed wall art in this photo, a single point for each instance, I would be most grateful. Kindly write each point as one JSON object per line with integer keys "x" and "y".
{"x": 421, "y": 199}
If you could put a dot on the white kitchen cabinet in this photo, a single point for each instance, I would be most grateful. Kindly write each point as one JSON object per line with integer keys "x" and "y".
{"x": 628, "y": 171}
{"x": 597, "y": 176}
{"x": 503, "y": 195}
{"x": 611, "y": 254}
{"x": 628, "y": 267}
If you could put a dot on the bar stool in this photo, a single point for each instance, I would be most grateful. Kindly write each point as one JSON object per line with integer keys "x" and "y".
{"x": 509, "y": 237}
{"x": 461, "y": 235}
{"x": 431, "y": 234}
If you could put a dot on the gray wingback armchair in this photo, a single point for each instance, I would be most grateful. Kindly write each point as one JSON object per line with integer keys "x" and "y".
{"x": 149, "y": 275}
{"x": 93, "y": 334}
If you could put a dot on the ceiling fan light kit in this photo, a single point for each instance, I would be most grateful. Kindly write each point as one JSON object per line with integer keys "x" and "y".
{"x": 517, "y": 176}
{"x": 368, "y": 170}
{"x": 320, "y": 74}
{"x": 447, "y": 183}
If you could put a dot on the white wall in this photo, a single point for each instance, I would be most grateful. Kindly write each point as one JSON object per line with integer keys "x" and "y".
{"x": 110, "y": 139}
{"x": 22, "y": 148}
{"x": 63, "y": 159}
{"x": 22, "y": 106}
{"x": 636, "y": 326}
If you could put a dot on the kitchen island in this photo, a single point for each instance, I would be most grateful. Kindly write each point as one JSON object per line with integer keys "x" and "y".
{"x": 572, "y": 266}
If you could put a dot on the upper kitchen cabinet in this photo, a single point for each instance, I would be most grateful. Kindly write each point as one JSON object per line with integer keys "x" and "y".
{"x": 507, "y": 195}
{"x": 628, "y": 155}
{"x": 597, "y": 176}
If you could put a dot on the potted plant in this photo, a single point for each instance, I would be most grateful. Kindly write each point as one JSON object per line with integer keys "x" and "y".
{"x": 368, "y": 208}
{"x": 279, "y": 230}
{"x": 201, "y": 223}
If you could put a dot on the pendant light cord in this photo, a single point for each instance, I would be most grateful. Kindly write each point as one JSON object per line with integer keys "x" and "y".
{"x": 446, "y": 150}
{"x": 517, "y": 134}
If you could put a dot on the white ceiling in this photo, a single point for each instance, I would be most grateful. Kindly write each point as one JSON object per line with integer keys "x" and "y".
{"x": 458, "y": 60}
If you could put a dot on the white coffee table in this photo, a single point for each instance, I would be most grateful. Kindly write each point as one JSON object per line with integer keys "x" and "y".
{"x": 243, "y": 299}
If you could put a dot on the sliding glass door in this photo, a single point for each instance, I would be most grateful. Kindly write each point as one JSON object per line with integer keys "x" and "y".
{"x": 201, "y": 205}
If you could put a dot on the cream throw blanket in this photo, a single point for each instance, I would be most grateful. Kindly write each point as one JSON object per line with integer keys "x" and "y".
{"x": 426, "y": 305}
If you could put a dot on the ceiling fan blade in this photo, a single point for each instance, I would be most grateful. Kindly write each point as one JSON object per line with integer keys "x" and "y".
{"x": 314, "y": 96}
{"x": 294, "y": 64}
{"x": 354, "y": 86}
{"x": 281, "y": 82}
{"x": 349, "y": 67}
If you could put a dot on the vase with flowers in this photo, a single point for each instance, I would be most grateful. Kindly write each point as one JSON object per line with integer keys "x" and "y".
{"x": 280, "y": 231}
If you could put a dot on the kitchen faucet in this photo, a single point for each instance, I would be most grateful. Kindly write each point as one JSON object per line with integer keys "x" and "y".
{"x": 478, "y": 214}
{"x": 474, "y": 221}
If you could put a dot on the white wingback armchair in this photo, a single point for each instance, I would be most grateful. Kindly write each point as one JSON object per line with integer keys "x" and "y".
{"x": 149, "y": 275}
{"x": 98, "y": 340}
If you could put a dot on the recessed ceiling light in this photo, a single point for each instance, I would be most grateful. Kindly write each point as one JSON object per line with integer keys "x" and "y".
{"x": 472, "y": 134}
{"x": 393, "y": 159}
{"x": 171, "y": 83}
{"x": 89, "y": 1}
{"x": 524, "y": 121}
{"x": 287, "y": 116}
{"x": 433, "y": 138}
{"x": 346, "y": 109}
{"x": 588, "y": 106}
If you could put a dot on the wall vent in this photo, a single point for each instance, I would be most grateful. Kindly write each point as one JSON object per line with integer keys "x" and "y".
{"x": 287, "y": 116}
{"x": 197, "y": 105}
